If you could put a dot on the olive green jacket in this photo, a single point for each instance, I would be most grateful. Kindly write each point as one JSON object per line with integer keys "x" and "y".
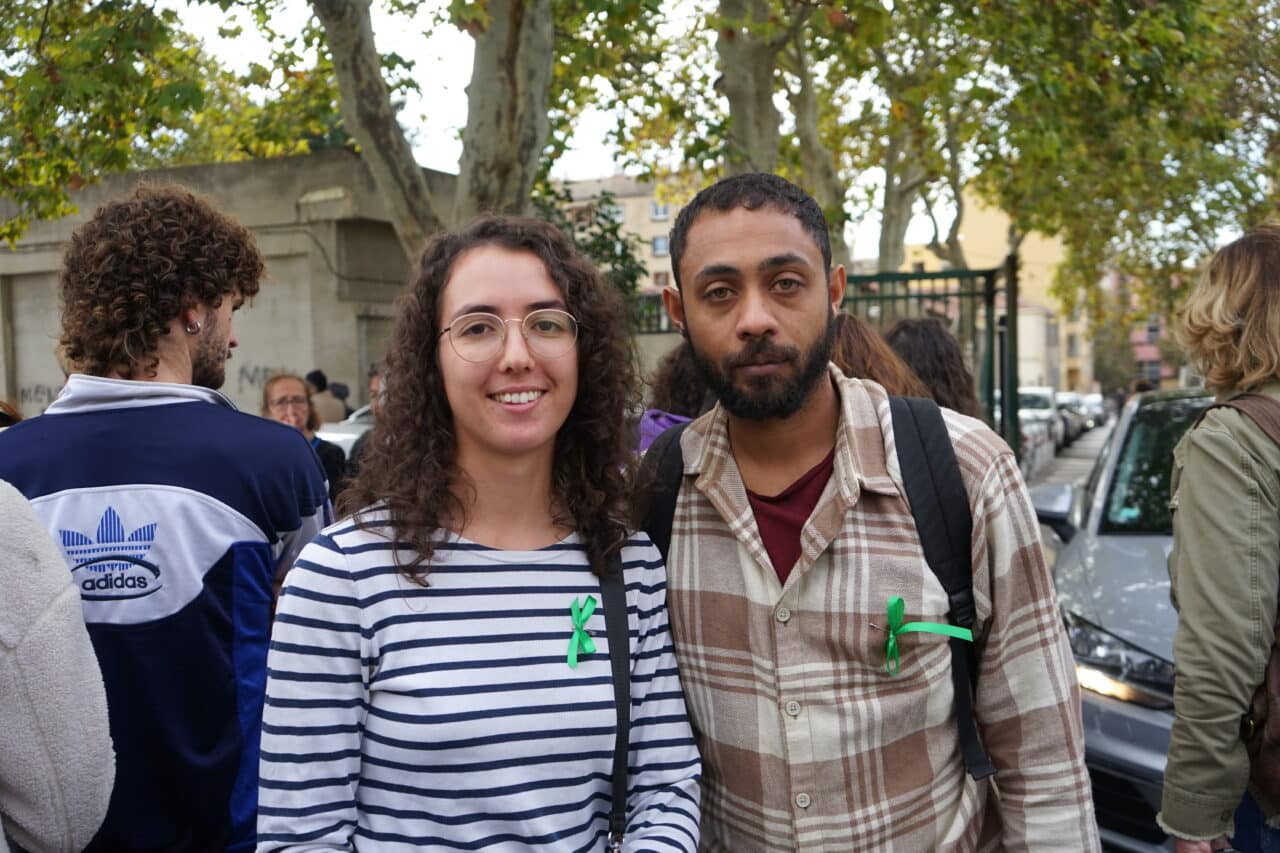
{"x": 1225, "y": 572}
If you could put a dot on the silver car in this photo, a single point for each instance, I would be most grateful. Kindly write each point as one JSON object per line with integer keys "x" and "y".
{"x": 1111, "y": 538}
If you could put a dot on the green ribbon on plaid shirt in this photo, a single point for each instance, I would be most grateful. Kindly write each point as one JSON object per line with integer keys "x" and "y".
{"x": 896, "y": 610}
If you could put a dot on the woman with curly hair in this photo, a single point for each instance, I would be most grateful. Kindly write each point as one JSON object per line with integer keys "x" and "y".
{"x": 440, "y": 672}
{"x": 1225, "y": 491}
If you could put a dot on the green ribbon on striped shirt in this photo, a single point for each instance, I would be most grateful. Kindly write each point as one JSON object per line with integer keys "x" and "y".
{"x": 896, "y": 610}
{"x": 580, "y": 640}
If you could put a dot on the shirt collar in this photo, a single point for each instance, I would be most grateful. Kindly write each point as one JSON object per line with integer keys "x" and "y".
{"x": 84, "y": 393}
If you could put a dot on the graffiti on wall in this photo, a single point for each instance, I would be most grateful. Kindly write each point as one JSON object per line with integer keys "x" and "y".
{"x": 254, "y": 376}
{"x": 34, "y": 399}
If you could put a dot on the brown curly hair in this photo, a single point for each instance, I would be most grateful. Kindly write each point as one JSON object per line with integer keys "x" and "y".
{"x": 676, "y": 384}
{"x": 409, "y": 467}
{"x": 136, "y": 265}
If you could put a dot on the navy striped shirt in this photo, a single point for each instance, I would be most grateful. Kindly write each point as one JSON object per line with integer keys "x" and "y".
{"x": 447, "y": 717}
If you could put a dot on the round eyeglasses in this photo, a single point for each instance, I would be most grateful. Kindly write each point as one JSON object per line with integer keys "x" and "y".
{"x": 548, "y": 332}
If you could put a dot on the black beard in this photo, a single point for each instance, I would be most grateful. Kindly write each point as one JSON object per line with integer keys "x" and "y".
{"x": 767, "y": 397}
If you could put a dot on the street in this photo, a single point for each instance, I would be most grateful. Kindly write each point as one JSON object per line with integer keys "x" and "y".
{"x": 1073, "y": 464}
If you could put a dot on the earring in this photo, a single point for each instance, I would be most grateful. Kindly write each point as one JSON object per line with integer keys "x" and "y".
{"x": 193, "y": 328}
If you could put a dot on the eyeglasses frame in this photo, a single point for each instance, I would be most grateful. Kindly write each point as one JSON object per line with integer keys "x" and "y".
{"x": 503, "y": 341}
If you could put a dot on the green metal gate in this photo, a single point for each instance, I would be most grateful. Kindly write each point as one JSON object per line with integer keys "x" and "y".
{"x": 977, "y": 305}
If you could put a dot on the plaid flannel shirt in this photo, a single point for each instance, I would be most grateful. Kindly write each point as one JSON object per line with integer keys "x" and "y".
{"x": 807, "y": 742}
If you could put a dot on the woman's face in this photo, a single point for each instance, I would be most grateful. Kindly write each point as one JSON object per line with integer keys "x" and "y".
{"x": 513, "y": 404}
{"x": 287, "y": 403}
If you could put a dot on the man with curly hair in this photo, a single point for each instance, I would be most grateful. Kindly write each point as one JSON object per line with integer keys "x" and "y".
{"x": 177, "y": 515}
{"x": 794, "y": 563}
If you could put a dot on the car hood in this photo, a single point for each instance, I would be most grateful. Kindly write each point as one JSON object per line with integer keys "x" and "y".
{"x": 1120, "y": 584}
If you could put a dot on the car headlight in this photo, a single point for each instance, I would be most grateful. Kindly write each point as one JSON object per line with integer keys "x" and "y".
{"x": 1110, "y": 666}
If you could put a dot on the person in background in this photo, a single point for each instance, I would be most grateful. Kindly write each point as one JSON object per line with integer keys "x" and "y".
{"x": 680, "y": 394}
{"x": 934, "y": 354}
{"x": 287, "y": 398}
{"x": 175, "y": 512}
{"x": 9, "y": 414}
{"x": 433, "y": 676}
{"x": 376, "y": 396}
{"x": 862, "y": 353}
{"x": 328, "y": 407}
{"x": 1226, "y": 548}
{"x": 341, "y": 392}
{"x": 56, "y": 762}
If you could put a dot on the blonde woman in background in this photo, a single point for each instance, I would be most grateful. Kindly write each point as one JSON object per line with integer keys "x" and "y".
{"x": 1225, "y": 564}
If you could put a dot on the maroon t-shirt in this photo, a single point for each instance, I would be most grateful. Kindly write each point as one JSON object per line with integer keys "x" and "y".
{"x": 782, "y": 517}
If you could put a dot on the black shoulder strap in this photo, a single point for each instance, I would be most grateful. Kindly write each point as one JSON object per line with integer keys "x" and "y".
{"x": 664, "y": 472}
{"x": 940, "y": 506}
{"x": 613, "y": 590}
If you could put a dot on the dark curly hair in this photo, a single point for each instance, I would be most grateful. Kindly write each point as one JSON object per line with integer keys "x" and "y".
{"x": 677, "y": 385}
{"x": 408, "y": 465}
{"x": 935, "y": 355}
{"x": 861, "y": 352}
{"x": 136, "y": 265}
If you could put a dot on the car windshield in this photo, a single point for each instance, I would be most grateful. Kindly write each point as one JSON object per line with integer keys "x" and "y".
{"x": 1034, "y": 401}
{"x": 1138, "y": 500}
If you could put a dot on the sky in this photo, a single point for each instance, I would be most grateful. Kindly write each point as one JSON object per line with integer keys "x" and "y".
{"x": 442, "y": 71}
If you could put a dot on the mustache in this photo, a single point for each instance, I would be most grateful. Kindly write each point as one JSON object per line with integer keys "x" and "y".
{"x": 762, "y": 351}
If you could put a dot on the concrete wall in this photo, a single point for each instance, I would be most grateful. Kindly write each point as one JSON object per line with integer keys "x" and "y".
{"x": 334, "y": 267}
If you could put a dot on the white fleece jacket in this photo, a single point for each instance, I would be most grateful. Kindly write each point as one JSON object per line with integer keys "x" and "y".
{"x": 57, "y": 766}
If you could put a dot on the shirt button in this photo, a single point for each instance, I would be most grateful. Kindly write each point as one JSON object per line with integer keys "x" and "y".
{"x": 783, "y": 615}
{"x": 793, "y": 708}
{"x": 803, "y": 801}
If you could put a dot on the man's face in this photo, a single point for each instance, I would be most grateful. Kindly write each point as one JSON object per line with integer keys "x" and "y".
{"x": 214, "y": 343}
{"x": 758, "y": 309}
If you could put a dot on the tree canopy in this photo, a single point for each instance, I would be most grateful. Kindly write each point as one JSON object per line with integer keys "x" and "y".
{"x": 1138, "y": 132}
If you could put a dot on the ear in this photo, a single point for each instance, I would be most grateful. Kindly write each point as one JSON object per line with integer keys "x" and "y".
{"x": 674, "y": 303}
{"x": 836, "y": 286}
{"x": 191, "y": 315}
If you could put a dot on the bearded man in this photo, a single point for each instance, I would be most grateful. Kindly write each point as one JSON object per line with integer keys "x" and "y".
{"x": 791, "y": 538}
{"x": 176, "y": 513}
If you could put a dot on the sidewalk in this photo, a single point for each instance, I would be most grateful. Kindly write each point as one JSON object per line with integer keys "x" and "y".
{"x": 1073, "y": 464}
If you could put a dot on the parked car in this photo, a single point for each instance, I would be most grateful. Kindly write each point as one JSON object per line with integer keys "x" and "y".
{"x": 1074, "y": 419}
{"x": 1111, "y": 539}
{"x": 1095, "y": 405}
{"x": 345, "y": 432}
{"x": 1035, "y": 403}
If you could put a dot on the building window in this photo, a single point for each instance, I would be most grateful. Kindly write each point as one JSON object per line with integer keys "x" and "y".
{"x": 660, "y": 247}
{"x": 661, "y": 280}
{"x": 1153, "y": 329}
{"x": 1153, "y": 371}
{"x": 1073, "y": 346}
{"x": 611, "y": 212}
{"x": 659, "y": 212}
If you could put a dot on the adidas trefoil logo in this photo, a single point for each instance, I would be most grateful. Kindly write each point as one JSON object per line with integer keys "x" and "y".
{"x": 111, "y": 565}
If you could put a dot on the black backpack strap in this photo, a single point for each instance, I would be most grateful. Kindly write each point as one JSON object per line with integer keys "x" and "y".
{"x": 940, "y": 506}
{"x": 663, "y": 473}
{"x": 613, "y": 589}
